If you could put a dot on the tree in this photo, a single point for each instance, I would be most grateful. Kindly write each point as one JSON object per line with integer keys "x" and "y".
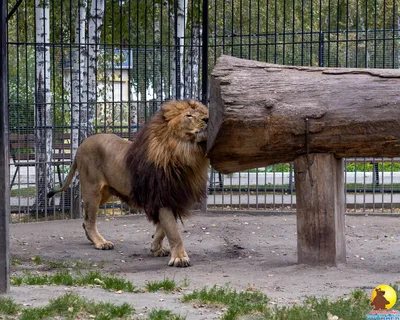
{"x": 43, "y": 110}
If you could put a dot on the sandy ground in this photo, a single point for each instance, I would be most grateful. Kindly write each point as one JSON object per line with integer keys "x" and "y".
{"x": 241, "y": 250}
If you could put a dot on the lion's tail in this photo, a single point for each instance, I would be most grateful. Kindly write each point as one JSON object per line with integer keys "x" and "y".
{"x": 67, "y": 181}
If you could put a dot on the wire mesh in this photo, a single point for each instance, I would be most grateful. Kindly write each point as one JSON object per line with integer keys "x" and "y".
{"x": 77, "y": 68}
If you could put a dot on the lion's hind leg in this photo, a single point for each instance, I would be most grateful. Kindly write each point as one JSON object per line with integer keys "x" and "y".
{"x": 92, "y": 198}
{"x": 179, "y": 257}
{"x": 157, "y": 248}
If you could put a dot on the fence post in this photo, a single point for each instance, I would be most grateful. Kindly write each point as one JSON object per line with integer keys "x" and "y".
{"x": 321, "y": 50}
{"x": 4, "y": 169}
{"x": 204, "y": 73}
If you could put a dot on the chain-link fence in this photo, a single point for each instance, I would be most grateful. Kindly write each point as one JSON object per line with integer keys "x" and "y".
{"x": 77, "y": 68}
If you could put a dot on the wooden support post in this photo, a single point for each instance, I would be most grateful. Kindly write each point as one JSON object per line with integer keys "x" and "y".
{"x": 320, "y": 209}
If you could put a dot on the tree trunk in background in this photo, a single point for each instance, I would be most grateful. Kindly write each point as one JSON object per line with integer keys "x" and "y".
{"x": 158, "y": 79}
{"x": 180, "y": 33}
{"x": 43, "y": 108}
{"x": 79, "y": 99}
{"x": 88, "y": 109}
{"x": 193, "y": 64}
{"x": 398, "y": 41}
{"x": 95, "y": 24}
{"x": 262, "y": 114}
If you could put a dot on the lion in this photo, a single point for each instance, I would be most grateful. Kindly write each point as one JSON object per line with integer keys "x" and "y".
{"x": 163, "y": 171}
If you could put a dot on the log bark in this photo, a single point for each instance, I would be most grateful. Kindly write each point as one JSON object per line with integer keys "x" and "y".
{"x": 263, "y": 114}
{"x": 320, "y": 209}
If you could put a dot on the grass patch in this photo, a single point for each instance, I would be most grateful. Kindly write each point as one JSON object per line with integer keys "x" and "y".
{"x": 253, "y": 305}
{"x": 66, "y": 278}
{"x": 8, "y": 306}
{"x": 238, "y": 303}
{"x": 37, "y": 260}
{"x": 162, "y": 314}
{"x": 166, "y": 285}
{"x": 15, "y": 261}
{"x": 353, "y": 308}
{"x": 72, "y": 306}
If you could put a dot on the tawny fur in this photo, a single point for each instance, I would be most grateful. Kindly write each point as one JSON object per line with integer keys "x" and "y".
{"x": 163, "y": 170}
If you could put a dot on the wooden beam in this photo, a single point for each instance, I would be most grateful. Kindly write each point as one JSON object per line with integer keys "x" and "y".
{"x": 263, "y": 114}
{"x": 320, "y": 209}
{"x": 4, "y": 158}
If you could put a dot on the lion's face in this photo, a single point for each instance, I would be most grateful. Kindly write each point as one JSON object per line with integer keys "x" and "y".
{"x": 187, "y": 120}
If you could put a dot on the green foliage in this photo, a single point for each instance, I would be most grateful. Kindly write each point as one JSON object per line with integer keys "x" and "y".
{"x": 37, "y": 260}
{"x": 72, "y": 306}
{"x": 162, "y": 314}
{"x": 8, "y": 306}
{"x": 238, "y": 303}
{"x": 165, "y": 285}
{"x": 64, "y": 277}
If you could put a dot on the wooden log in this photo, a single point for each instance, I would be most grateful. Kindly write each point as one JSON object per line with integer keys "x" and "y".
{"x": 320, "y": 209}
{"x": 262, "y": 114}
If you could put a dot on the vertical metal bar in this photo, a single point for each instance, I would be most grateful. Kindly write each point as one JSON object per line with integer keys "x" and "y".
{"x": 347, "y": 33}
{"x": 284, "y": 33}
{"x": 357, "y": 26}
{"x": 204, "y": 73}
{"x": 249, "y": 32}
{"x": 177, "y": 52}
{"x": 329, "y": 34}
{"x": 375, "y": 46}
{"x": 204, "y": 50}
{"x": 4, "y": 156}
{"x": 384, "y": 35}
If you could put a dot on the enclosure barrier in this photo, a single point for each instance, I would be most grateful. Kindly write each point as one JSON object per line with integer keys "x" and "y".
{"x": 263, "y": 114}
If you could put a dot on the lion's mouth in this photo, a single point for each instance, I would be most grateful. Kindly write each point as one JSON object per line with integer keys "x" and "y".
{"x": 201, "y": 135}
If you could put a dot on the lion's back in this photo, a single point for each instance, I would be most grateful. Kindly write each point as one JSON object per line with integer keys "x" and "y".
{"x": 103, "y": 156}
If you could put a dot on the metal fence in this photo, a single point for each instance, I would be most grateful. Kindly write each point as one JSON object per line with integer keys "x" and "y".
{"x": 76, "y": 68}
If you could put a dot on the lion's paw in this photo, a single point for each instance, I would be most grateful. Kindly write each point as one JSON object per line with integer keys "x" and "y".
{"x": 162, "y": 252}
{"x": 179, "y": 262}
{"x": 107, "y": 245}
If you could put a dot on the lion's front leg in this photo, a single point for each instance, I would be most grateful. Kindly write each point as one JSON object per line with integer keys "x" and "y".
{"x": 157, "y": 248}
{"x": 179, "y": 257}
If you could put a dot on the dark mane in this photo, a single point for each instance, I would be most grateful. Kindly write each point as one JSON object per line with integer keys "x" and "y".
{"x": 176, "y": 186}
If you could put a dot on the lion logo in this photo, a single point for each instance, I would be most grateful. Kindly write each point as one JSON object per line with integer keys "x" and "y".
{"x": 163, "y": 171}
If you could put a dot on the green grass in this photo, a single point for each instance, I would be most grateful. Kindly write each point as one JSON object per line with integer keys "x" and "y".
{"x": 8, "y": 306}
{"x": 15, "y": 261}
{"x": 238, "y": 303}
{"x": 72, "y": 306}
{"x": 166, "y": 285}
{"x": 254, "y": 306}
{"x": 64, "y": 277}
{"x": 162, "y": 314}
{"x": 37, "y": 260}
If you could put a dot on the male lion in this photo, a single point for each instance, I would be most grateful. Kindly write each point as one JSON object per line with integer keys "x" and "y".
{"x": 164, "y": 171}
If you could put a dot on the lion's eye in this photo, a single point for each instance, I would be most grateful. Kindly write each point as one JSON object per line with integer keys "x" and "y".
{"x": 189, "y": 116}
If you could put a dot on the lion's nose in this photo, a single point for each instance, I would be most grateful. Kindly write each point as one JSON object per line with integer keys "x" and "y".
{"x": 205, "y": 120}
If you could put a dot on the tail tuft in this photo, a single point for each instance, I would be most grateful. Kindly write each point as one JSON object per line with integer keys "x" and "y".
{"x": 51, "y": 194}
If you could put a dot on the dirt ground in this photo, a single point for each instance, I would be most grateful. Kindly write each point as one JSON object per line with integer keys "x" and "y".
{"x": 242, "y": 250}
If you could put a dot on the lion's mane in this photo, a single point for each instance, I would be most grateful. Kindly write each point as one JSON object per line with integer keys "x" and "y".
{"x": 166, "y": 172}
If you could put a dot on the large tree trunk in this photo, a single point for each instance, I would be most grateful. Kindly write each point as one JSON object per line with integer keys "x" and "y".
{"x": 43, "y": 108}
{"x": 78, "y": 98}
{"x": 262, "y": 114}
{"x": 95, "y": 25}
{"x": 157, "y": 56}
{"x": 88, "y": 91}
{"x": 193, "y": 63}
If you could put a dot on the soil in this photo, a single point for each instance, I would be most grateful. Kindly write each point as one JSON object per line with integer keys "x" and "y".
{"x": 242, "y": 250}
